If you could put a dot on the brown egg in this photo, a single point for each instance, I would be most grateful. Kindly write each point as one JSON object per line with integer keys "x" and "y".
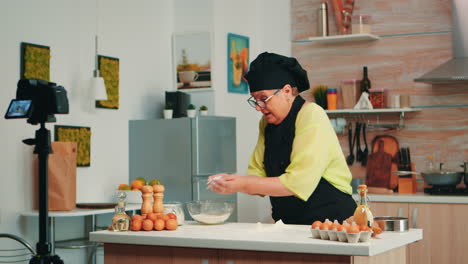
{"x": 316, "y": 224}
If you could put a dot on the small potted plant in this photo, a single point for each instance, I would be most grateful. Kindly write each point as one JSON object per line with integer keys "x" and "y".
{"x": 203, "y": 110}
{"x": 168, "y": 111}
{"x": 191, "y": 112}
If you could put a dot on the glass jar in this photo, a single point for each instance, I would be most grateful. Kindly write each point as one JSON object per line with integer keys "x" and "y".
{"x": 175, "y": 208}
{"x": 377, "y": 98}
{"x": 361, "y": 24}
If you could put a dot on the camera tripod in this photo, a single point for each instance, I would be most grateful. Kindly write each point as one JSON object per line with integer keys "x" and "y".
{"x": 43, "y": 149}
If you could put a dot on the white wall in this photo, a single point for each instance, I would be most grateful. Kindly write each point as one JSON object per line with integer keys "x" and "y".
{"x": 139, "y": 34}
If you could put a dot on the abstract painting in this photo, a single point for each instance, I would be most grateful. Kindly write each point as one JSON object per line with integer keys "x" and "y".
{"x": 237, "y": 63}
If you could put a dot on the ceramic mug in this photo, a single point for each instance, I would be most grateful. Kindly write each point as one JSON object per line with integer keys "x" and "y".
{"x": 188, "y": 76}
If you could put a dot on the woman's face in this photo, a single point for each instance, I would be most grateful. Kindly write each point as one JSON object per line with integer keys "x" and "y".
{"x": 278, "y": 106}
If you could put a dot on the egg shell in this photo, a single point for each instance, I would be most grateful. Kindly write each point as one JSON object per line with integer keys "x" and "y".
{"x": 365, "y": 236}
{"x": 342, "y": 236}
{"x": 324, "y": 234}
{"x": 352, "y": 237}
{"x": 315, "y": 232}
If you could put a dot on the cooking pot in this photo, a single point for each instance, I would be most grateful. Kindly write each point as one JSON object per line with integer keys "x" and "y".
{"x": 392, "y": 223}
{"x": 443, "y": 178}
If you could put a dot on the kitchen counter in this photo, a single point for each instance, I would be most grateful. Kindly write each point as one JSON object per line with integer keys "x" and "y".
{"x": 416, "y": 198}
{"x": 257, "y": 237}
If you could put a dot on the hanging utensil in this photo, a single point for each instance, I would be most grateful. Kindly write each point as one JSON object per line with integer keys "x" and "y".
{"x": 359, "y": 153}
{"x": 350, "y": 157}
{"x": 365, "y": 153}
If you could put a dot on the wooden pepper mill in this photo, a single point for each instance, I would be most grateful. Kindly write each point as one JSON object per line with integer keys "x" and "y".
{"x": 158, "y": 194}
{"x": 147, "y": 205}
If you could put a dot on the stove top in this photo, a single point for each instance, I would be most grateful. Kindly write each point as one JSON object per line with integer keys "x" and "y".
{"x": 446, "y": 190}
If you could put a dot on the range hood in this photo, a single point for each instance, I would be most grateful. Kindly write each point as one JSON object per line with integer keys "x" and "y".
{"x": 456, "y": 69}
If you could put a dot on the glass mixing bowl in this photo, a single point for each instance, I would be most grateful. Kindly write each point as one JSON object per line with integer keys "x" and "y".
{"x": 210, "y": 212}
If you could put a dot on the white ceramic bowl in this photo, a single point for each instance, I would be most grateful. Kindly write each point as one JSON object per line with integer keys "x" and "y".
{"x": 210, "y": 212}
{"x": 133, "y": 197}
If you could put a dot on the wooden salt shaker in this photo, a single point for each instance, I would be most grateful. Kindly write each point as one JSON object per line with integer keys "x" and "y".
{"x": 147, "y": 205}
{"x": 158, "y": 206}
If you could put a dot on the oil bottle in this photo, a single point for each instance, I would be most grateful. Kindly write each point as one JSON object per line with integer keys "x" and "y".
{"x": 120, "y": 221}
{"x": 363, "y": 214}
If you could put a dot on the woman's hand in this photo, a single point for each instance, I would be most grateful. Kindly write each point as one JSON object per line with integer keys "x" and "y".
{"x": 224, "y": 183}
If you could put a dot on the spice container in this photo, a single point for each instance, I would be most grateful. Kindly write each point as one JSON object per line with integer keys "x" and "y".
{"x": 361, "y": 24}
{"x": 377, "y": 98}
{"x": 332, "y": 98}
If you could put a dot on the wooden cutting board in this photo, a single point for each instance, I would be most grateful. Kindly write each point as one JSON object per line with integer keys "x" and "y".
{"x": 379, "y": 168}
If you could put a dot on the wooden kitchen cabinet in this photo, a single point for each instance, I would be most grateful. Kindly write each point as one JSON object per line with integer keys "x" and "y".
{"x": 121, "y": 253}
{"x": 445, "y": 237}
{"x": 125, "y": 254}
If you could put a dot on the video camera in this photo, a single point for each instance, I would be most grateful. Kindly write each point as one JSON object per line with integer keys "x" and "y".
{"x": 38, "y": 100}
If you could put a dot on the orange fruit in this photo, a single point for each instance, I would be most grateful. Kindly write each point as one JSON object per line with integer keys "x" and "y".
{"x": 137, "y": 217}
{"x": 136, "y": 225}
{"x": 147, "y": 225}
{"x": 151, "y": 216}
{"x": 172, "y": 216}
{"x": 171, "y": 224}
{"x": 122, "y": 186}
{"x": 136, "y": 184}
{"x": 159, "y": 224}
{"x": 159, "y": 216}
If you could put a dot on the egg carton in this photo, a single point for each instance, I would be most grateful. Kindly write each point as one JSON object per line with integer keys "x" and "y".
{"x": 342, "y": 236}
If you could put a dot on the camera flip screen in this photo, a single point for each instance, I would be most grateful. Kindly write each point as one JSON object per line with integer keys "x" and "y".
{"x": 19, "y": 109}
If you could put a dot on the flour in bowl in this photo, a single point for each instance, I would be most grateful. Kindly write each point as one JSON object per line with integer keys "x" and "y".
{"x": 210, "y": 219}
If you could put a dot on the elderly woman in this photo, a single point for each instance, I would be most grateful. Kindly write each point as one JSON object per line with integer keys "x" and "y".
{"x": 298, "y": 160}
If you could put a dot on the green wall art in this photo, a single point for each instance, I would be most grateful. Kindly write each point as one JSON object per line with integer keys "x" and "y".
{"x": 35, "y": 61}
{"x": 80, "y": 135}
{"x": 109, "y": 68}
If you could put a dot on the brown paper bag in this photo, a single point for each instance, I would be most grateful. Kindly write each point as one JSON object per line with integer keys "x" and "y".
{"x": 62, "y": 177}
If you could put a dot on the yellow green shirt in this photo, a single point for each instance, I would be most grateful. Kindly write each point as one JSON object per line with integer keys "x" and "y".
{"x": 316, "y": 153}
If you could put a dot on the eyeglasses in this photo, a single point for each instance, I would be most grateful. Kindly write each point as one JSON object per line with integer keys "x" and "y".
{"x": 260, "y": 103}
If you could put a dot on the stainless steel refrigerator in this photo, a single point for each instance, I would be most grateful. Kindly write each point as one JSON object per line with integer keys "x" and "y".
{"x": 182, "y": 152}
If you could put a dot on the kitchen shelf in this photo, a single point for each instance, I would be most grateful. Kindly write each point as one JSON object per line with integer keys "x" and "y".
{"x": 339, "y": 39}
{"x": 401, "y": 111}
{"x": 373, "y": 111}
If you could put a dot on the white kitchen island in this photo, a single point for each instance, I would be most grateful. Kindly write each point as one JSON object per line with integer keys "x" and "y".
{"x": 234, "y": 243}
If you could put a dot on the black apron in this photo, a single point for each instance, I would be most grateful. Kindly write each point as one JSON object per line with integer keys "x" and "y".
{"x": 325, "y": 202}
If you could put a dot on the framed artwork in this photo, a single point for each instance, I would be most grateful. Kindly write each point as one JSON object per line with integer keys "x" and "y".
{"x": 35, "y": 61}
{"x": 80, "y": 135}
{"x": 192, "y": 60}
{"x": 109, "y": 68}
{"x": 237, "y": 63}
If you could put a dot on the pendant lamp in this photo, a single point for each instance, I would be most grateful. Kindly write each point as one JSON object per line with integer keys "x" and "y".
{"x": 99, "y": 86}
